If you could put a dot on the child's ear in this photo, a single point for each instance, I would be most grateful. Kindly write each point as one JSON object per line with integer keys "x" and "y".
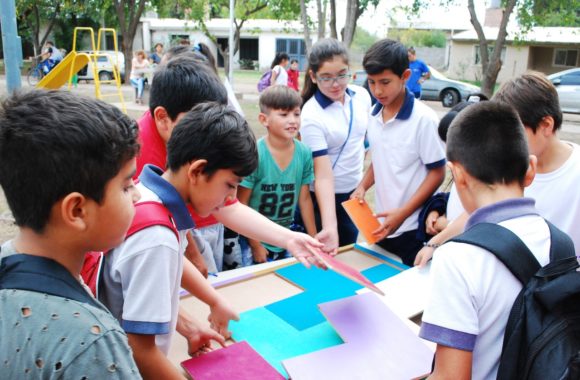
{"x": 73, "y": 211}
{"x": 195, "y": 170}
{"x": 546, "y": 126}
{"x": 263, "y": 119}
{"x": 458, "y": 173}
{"x": 312, "y": 76}
{"x": 163, "y": 122}
{"x": 531, "y": 172}
{"x": 406, "y": 74}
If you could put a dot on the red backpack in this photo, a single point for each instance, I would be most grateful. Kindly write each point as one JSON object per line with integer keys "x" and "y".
{"x": 147, "y": 214}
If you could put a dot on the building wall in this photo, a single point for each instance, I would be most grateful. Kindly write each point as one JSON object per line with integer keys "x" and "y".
{"x": 462, "y": 62}
{"x": 266, "y": 38}
{"x": 542, "y": 58}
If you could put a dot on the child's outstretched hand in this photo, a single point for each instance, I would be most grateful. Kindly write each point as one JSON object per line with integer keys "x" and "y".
{"x": 423, "y": 256}
{"x": 302, "y": 247}
{"x": 259, "y": 253}
{"x": 220, "y": 316}
{"x": 198, "y": 336}
{"x": 393, "y": 220}
{"x": 358, "y": 193}
{"x": 329, "y": 238}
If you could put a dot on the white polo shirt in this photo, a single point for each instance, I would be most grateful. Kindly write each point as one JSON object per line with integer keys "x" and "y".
{"x": 557, "y": 197}
{"x": 403, "y": 150}
{"x": 472, "y": 292}
{"x": 142, "y": 276}
{"x": 324, "y": 130}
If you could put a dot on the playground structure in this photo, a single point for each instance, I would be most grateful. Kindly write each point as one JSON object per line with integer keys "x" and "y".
{"x": 74, "y": 61}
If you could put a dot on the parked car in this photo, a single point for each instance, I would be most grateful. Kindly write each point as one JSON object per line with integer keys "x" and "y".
{"x": 104, "y": 66}
{"x": 567, "y": 84}
{"x": 438, "y": 87}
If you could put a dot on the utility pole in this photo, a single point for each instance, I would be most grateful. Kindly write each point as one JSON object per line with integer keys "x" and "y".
{"x": 12, "y": 45}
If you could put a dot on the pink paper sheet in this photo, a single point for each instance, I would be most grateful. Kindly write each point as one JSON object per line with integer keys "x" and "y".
{"x": 238, "y": 361}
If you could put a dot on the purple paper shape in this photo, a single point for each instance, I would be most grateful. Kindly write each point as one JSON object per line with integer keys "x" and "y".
{"x": 378, "y": 345}
{"x": 238, "y": 361}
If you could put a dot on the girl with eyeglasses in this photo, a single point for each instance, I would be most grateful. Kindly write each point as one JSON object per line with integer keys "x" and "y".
{"x": 334, "y": 122}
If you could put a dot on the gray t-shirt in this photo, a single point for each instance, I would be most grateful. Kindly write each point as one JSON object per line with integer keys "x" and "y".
{"x": 44, "y": 336}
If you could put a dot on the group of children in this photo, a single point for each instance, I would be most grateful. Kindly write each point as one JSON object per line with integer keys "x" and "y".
{"x": 197, "y": 158}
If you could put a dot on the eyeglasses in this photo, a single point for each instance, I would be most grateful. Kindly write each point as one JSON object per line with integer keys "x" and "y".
{"x": 329, "y": 81}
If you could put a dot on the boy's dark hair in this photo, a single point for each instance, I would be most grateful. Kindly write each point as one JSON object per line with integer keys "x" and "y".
{"x": 181, "y": 83}
{"x": 322, "y": 51}
{"x": 279, "y": 97}
{"x": 216, "y": 133}
{"x": 184, "y": 51}
{"x": 534, "y": 97}
{"x": 293, "y": 61}
{"x": 53, "y": 143}
{"x": 446, "y": 120}
{"x": 489, "y": 141}
{"x": 384, "y": 55}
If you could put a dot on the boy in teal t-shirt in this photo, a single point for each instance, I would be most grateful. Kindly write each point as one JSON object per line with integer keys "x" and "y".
{"x": 285, "y": 170}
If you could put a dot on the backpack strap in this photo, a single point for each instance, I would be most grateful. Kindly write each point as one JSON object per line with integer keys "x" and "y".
{"x": 511, "y": 250}
{"x": 561, "y": 245}
{"x": 505, "y": 245}
{"x": 149, "y": 214}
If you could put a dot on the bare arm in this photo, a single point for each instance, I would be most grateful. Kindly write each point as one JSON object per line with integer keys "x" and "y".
{"x": 221, "y": 312}
{"x": 250, "y": 223}
{"x": 259, "y": 252}
{"x": 366, "y": 183}
{"x": 152, "y": 363}
{"x": 193, "y": 254}
{"x": 307, "y": 210}
{"x": 324, "y": 190}
{"x": 453, "y": 229}
{"x": 452, "y": 364}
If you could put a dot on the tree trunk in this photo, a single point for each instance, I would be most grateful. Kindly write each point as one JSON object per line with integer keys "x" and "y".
{"x": 321, "y": 19}
{"x": 491, "y": 66}
{"x": 129, "y": 14}
{"x": 350, "y": 22}
{"x": 332, "y": 22}
{"x": 304, "y": 19}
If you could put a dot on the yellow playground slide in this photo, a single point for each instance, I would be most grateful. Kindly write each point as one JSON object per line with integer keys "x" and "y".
{"x": 60, "y": 74}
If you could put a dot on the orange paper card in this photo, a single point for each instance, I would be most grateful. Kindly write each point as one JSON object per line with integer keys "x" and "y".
{"x": 362, "y": 217}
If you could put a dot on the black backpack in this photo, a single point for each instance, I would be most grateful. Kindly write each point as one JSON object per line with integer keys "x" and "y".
{"x": 542, "y": 336}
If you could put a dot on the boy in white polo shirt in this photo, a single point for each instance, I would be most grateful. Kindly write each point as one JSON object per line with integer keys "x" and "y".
{"x": 472, "y": 292}
{"x": 408, "y": 161}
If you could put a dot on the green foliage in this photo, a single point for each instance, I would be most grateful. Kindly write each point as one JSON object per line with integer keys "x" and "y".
{"x": 412, "y": 37}
{"x": 362, "y": 40}
{"x": 247, "y": 64}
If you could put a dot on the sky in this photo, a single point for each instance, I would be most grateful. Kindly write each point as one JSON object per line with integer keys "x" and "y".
{"x": 455, "y": 16}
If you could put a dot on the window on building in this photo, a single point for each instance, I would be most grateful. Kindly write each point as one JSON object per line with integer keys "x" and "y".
{"x": 565, "y": 57}
{"x": 489, "y": 52}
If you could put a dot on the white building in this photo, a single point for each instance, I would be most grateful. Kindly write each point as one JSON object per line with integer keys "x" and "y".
{"x": 259, "y": 42}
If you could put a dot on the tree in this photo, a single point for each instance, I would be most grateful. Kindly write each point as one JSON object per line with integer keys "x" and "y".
{"x": 354, "y": 9}
{"x": 129, "y": 12}
{"x": 200, "y": 11}
{"x": 491, "y": 65}
{"x": 34, "y": 14}
{"x": 529, "y": 14}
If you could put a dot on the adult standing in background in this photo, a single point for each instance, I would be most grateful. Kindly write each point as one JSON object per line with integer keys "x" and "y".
{"x": 419, "y": 73}
{"x": 155, "y": 57}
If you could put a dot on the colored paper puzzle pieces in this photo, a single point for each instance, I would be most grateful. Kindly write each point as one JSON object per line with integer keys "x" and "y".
{"x": 238, "y": 361}
{"x": 301, "y": 310}
{"x": 378, "y": 345}
{"x": 276, "y": 340}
